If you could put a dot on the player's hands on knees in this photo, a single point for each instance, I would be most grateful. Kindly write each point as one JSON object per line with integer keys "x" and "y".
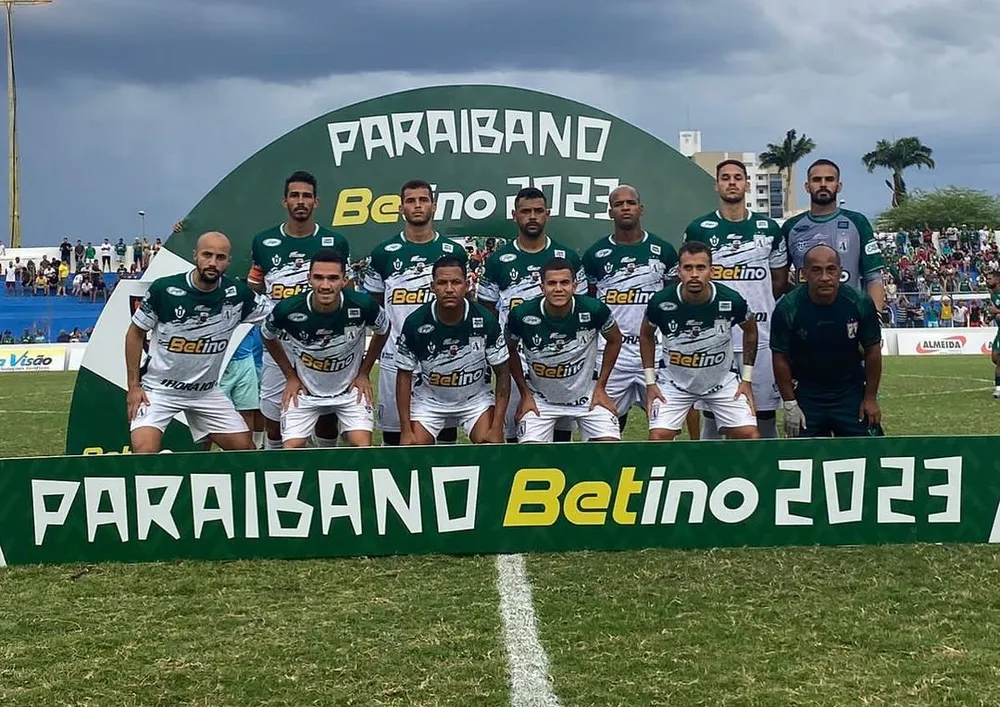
{"x": 601, "y": 397}
{"x": 364, "y": 387}
{"x": 870, "y": 411}
{"x": 652, "y": 395}
{"x": 136, "y": 398}
{"x": 293, "y": 389}
{"x": 526, "y": 405}
{"x": 406, "y": 436}
{"x": 745, "y": 389}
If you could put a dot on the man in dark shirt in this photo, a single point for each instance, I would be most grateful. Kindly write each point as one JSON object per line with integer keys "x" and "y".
{"x": 827, "y": 339}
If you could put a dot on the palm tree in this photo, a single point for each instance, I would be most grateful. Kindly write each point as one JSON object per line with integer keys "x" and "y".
{"x": 898, "y": 155}
{"x": 784, "y": 156}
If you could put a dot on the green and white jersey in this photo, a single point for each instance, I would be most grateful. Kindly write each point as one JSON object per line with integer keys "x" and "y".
{"x": 513, "y": 276}
{"x": 743, "y": 255}
{"x": 281, "y": 261}
{"x": 847, "y": 232}
{"x": 626, "y": 276}
{"x": 326, "y": 348}
{"x": 400, "y": 271}
{"x": 452, "y": 361}
{"x": 560, "y": 353}
{"x": 191, "y": 330}
{"x": 697, "y": 351}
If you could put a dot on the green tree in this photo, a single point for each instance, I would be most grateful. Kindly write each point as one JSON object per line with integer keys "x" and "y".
{"x": 897, "y": 156}
{"x": 783, "y": 156}
{"x": 940, "y": 208}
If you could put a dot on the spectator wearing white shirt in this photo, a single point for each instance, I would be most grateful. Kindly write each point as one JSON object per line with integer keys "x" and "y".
{"x": 106, "y": 249}
{"x": 961, "y": 314}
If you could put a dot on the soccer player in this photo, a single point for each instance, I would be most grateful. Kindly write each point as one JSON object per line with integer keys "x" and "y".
{"x": 696, "y": 318}
{"x": 241, "y": 383}
{"x": 558, "y": 333}
{"x": 847, "y": 232}
{"x": 827, "y": 339}
{"x": 398, "y": 276}
{"x": 513, "y": 275}
{"x": 449, "y": 344}
{"x": 192, "y": 317}
{"x": 280, "y": 258}
{"x": 748, "y": 255}
{"x": 324, "y": 330}
{"x": 624, "y": 270}
{"x": 993, "y": 282}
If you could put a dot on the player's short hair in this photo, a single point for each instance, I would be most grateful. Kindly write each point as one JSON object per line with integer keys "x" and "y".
{"x": 416, "y": 184}
{"x": 823, "y": 161}
{"x": 329, "y": 255}
{"x": 694, "y": 248}
{"x": 301, "y": 176}
{"x": 725, "y": 163}
{"x": 557, "y": 264}
{"x": 449, "y": 261}
{"x": 806, "y": 258}
{"x": 530, "y": 193}
{"x": 625, "y": 186}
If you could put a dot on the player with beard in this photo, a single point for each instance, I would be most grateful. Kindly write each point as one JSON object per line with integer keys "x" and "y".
{"x": 399, "y": 277}
{"x": 624, "y": 270}
{"x": 192, "y": 317}
{"x": 748, "y": 255}
{"x": 847, "y": 232}
{"x": 280, "y": 258}
{"x": 513, "y": 275}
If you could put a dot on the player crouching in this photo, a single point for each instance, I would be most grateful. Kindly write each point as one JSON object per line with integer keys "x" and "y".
{"x": 325, "y": 329}
{"x": 443, "y": 356}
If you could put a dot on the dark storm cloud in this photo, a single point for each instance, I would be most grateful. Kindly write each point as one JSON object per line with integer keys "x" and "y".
{"x": 169, "y": 43}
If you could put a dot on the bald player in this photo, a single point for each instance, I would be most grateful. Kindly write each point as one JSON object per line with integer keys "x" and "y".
{"x": 826, "y": 345}
{"x": 192, "y": 317}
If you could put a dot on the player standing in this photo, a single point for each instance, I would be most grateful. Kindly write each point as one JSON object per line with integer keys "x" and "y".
{"x": 558, "y": 335}
{"x": 398, "y": 276}
{"x": 993, "y": 282}
{"x": 748, "y": 255}
{"x": 449, "y": 344}
{"x": 827, "y": 339}
{"x": 324, "y": 329}
{"x": 624, "y": 270}
{"x": 513, "y": 275}
{"x": 847, "y": 232}
{"x": 192, "y": 317}
{"x": 696, "y": 317}
{"x": 280, "y": 259}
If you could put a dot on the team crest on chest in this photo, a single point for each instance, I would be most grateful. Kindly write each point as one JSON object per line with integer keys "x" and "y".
{"x": 843, "y": 244}
{"x": 397, "y": 264}
{"x": 714, "y": 241}
{"x": 179, "y": 312}
{"x": 536, "y": 340}
{"x": 672, "y": 326}
{"x": 276, "y": 259}
{"x": 852, "y": 329}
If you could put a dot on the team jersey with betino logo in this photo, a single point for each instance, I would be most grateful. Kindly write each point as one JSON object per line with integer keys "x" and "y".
{"x": 281, "y": 261}
{"x": 400, "y": 271}
{"x": 326, "y": 348}
{"x": 847, "y": 232}
{"x": 512, "y": 276}
{"x": 626, "y": 276}
{"x": 191, "y": 330}
{"x": 697, "y": 347}
{"x": 743, "y": 255}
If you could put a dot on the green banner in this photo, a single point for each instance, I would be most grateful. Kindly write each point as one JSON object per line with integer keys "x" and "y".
{"x": 490, "y": 499}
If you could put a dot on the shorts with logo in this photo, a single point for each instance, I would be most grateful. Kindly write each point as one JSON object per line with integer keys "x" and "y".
{"x": 599, "y": 422}
{"x": 627, "y": 388}
{"x": 298, "y": 421}
{"x": 434, "y": 418}
{"x": 206, "y": 413}
{"x": 766, "y": 397}
{"x": 387, "y": 414}
{"x": 241, "y": 384}
{"x": 510, "y": 425}
{"x": 729, "y": 412}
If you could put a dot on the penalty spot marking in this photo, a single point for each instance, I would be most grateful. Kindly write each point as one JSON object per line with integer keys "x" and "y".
{"x": 527, "y": 662}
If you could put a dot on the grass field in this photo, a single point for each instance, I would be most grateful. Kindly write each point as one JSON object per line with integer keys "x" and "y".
{"x": 812, "y": 626}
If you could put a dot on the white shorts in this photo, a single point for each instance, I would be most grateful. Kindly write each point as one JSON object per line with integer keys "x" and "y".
{"x": 298, "y": 421}
{"x": 766, "y": 397}
{"x": 387, "y": 414}
{"x": 434, "y": 419}
{"x": 627, "y": 388}
{"x": 599, "y": 422}
{"x": 729, "y": 412}
{"x": 207, "y": 413}
{"x": 564, "y": 424}
{"x": 272, "y": 387}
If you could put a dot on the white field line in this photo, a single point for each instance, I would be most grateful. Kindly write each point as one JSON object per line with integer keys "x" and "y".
{"x": 938, "y": 392}
{"x": 527, "y": 662}
{"x": 34, "y": 412}
{"x": 938, "y": 378}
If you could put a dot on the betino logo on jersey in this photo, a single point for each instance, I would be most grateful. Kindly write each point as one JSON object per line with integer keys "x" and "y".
{"x": 280, "y": 292}
{"x": 696, "y": 360}
{"x": 325, "y": 365}
{"x": 563, "y": 370}
{"x": 180, "y": 345}
{"x": 739, "y": 273}
{"x": 404, "y": 296}
{"x": 455, "y": 379}
{"x": 627, "y": 297}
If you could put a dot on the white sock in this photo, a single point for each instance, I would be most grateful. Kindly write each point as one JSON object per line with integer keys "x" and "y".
{"x": 272, "y": 443}
{"x": 324, "y": 442}
{"x": 258, "y": 439}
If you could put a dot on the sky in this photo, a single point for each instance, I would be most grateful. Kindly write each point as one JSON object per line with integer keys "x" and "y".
{"x": 142, "y": 104}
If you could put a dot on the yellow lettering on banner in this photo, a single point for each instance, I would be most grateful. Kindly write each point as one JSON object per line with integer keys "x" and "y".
{"x": 627, "y": 487}
{"x": 352, "y": 207}
{"x": 521, "y": 496}
{"x": 385, "y": 209}
{"x": 587, "y": 503}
